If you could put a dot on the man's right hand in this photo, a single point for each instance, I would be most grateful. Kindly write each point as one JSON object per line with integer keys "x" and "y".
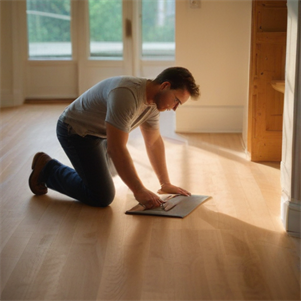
{"x": 147, "y": 198}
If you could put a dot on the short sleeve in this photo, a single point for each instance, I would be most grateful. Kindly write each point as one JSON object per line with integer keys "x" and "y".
{"x": 121, "y": 108}
{"x": 153, "y": 120}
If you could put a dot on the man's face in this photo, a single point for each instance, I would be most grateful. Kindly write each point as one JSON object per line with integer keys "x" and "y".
{"x": 169, "y": 99}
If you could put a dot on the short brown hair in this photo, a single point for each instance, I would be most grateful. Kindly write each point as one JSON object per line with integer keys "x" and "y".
{"x": 179, "y": 78}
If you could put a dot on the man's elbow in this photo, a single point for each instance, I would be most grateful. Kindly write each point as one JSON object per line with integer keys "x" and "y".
{"x": 112, "y": 151}
{"x": 115, "y": 151}
{"x": 153, "y": 144}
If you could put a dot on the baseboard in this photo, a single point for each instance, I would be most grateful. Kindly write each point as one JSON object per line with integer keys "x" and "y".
{"x": 210, "y": 119}
{"x": 49, "y": 101}
{"x": 291, "y": 215}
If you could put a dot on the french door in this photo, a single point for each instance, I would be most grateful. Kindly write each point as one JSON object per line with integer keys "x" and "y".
{"x": 106, "y": 38}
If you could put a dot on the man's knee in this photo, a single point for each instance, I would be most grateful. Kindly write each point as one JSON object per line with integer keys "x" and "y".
{"x": 101, "y": 199}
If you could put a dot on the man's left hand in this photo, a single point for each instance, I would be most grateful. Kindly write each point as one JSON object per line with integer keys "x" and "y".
{"x": 169, "y": 188}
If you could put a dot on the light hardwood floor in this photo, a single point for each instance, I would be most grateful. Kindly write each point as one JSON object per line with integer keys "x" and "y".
{"x": 233, "y": 247}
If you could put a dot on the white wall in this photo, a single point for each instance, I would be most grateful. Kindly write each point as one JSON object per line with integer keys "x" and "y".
{"x": 7, "y": 82}
{"x": 213, "y": 41}
{"x": 11, "y": 58}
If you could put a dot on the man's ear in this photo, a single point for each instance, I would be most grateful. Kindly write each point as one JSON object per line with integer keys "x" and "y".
{"x": 165, "y": 85}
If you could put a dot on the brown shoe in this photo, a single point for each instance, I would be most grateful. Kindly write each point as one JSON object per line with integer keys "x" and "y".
{"x": 38, "y": 163}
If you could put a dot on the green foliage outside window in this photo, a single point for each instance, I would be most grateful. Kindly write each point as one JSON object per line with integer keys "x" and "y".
{"x": 105, "y": 24}
{"x": 48, "y": 20}
{"x": 152, "y": 29}
{"x": 105, "y": 20}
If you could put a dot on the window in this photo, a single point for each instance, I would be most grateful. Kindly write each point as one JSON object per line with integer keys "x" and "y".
{"x": 48, "y": 25}
{"x": 106, "y": 28}
{"x": 158, "y": 29}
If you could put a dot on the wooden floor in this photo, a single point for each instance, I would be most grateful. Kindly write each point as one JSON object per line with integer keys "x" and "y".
{"x": 233, "y": 247}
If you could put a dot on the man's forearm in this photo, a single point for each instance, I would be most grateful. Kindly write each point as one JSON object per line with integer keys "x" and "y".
{"x": 117, "y": 150}
{"x": 125, "y": 168}
{"x": 156, "y": 154}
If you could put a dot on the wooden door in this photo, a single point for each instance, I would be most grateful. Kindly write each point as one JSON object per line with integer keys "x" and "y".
{"x": 269, "y": 22}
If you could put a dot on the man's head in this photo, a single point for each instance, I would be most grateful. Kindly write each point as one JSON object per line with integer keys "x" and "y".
{"x": 175, "y": 86}
{"x": 179, "y": 78}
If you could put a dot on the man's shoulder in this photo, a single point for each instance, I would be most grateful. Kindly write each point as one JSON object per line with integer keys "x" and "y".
{"x": 131, "y": 81}
{"x": 134, "y": 86}
{"x": 116, "y": 82}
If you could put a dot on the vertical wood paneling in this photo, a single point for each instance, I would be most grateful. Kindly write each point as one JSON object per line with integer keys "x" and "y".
{"x": 267, "y": 65}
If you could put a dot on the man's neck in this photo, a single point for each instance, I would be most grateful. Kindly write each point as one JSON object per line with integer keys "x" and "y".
{"x": 151, "y": 90}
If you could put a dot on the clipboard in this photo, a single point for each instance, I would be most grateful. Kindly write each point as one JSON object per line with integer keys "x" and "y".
{"x": 174, "y": 205}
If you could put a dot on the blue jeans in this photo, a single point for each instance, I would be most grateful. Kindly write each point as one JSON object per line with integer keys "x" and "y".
{"x": 90, "y": 181}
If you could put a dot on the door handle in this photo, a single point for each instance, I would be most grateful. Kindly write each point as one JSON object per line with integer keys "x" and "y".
{"x": 128, "y": 28}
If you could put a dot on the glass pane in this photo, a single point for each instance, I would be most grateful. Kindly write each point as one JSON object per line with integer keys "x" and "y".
{"x": 106, "y": 28}
{"x": 158, "y": 28}
{"x": 48, "y": 25}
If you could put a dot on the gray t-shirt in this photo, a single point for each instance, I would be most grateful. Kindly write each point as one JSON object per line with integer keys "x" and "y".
{"x": 120, "y": 101}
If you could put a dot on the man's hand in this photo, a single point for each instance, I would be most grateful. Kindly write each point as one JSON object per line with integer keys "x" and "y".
{"x": 147, "y": 198}
{"x": 169, "y": 188}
